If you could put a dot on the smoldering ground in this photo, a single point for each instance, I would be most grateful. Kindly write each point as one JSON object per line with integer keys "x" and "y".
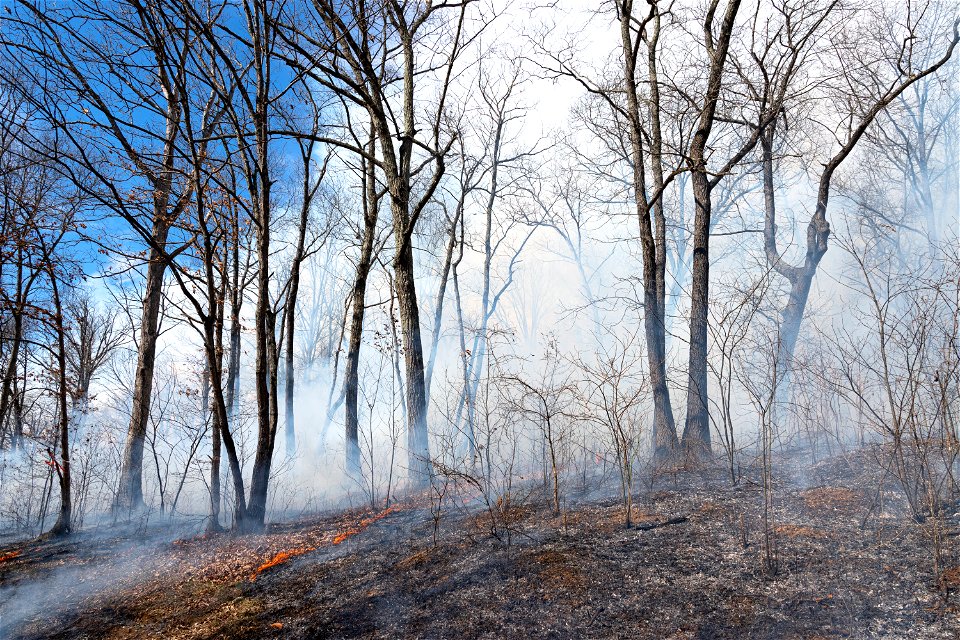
{"x": 48, "y": 574}
{"x": 843, "y": 569}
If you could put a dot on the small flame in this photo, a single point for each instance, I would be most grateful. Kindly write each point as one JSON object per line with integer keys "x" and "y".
{"x": 363, "y": 524}
{"x": 9, "y": 556}
{"x": 280, "y": 558}
{"x": 284, "y": 556}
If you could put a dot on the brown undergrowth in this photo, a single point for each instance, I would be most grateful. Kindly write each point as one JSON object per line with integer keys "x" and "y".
{"x": 692, "y": 567}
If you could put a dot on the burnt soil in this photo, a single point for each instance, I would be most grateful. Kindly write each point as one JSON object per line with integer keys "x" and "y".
{"x": 849, "y": 563}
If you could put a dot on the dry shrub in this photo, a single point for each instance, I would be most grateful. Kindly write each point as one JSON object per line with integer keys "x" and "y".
{"x": 610, "y": 520}
{"x": 642, "y": 517}
{"x": 573, "y": 518}
{"x": 502, "y": 517}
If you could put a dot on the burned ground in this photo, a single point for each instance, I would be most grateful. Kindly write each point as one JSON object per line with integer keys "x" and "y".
{"x": 849, "y": 563}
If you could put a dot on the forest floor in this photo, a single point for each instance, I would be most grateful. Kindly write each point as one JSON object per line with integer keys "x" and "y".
{"x": 848, "y": 565}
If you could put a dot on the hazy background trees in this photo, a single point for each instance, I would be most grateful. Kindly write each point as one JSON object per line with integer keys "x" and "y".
{"x": 465, "y": 242}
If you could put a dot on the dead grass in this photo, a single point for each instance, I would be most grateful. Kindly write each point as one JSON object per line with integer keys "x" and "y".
{"x": 414, "y": 560}
{"x": 559, "y": 572}
{"x": 950, "y": 579}
{"x": 577, "y": 575}
{"x": 741, "y": 610}
{"x": 831, "y": 498}
{"x": 711, "y": 509}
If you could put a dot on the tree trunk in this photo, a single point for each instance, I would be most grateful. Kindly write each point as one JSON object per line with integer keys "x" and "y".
{"x": 265, "y": 368}
{"x": 800, "y": 278}
{"x": 478, "y": 355}
{"x": 63, "y": 524}
{"x": 290, "y": 308}
{"x": 664, "y": 427}
{"x": 441, "y": 294}
{"x": 397, "y": 167}
{"x": 288, "y": 373}
{"x": 130, "y": 493}
{"x": 236, "y": 302}
{"x": 417, "y": 439}
{"x": 9, "y": 382}
{"x": 262, "y": 377}
{"x": 8, "y": 394}
{"x": 221, "y": 426}
{"x": 696, "y": 431}
{"x": 351, "y": 383}
{"x": 213, "y": 348}
{"x": 214, "y": 524}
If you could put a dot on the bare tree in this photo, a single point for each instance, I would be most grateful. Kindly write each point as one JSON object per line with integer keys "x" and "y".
{"x": 134, "y": 165}
{"x": 545, "y": 400}
{"x": 503, "y": 166}
{"x": 28, "y": 187}
{"x": 345, "y": 53}
{"x": 92, "y": 338}
{"x": 63, "y": 525}
{"x": 312, "y": 178}
{"x": 370, "y": 207}
{"x": 883, "y": 73}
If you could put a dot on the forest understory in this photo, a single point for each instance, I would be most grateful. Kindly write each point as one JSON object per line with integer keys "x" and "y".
{"x": 846, "y": 561}
{"x": 472, "y": 264}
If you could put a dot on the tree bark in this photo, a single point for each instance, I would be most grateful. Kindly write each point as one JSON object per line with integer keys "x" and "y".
{"x": 7, "y": 395}
{"x": 64, "y": 523}
{"x": 236, "y": 302}
{"x": 221, "y": 424}
{"x": 696, "y": 431}
{"x": 441, "y": 294}
{"x": 417, "y": 440}
{"x": 215, "y": 462}
{"x": 290, "y": 307}
{"x": 129, "y": 496}
{"x": 652, "y": 249}
{"x": 263, "y": 371}
{"x": 351, "y": 383}
{"x": 260, "y": 185}
{"x": 289, "y": 316}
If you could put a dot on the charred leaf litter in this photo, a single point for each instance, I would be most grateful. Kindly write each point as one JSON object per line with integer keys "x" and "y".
{"x": 838, "y": 559}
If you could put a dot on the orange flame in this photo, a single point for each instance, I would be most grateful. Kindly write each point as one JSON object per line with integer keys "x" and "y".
{"x": 280, "y": 558}
{"x": 9, "y": 556}
{"x": 284, "y": 556}
{"x": 363, "y": 524}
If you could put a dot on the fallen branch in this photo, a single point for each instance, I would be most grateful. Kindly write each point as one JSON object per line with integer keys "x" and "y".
{"x": 663, "y": 523}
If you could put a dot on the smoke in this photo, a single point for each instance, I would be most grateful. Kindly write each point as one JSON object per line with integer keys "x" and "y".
{"x": 87, "y": 564}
